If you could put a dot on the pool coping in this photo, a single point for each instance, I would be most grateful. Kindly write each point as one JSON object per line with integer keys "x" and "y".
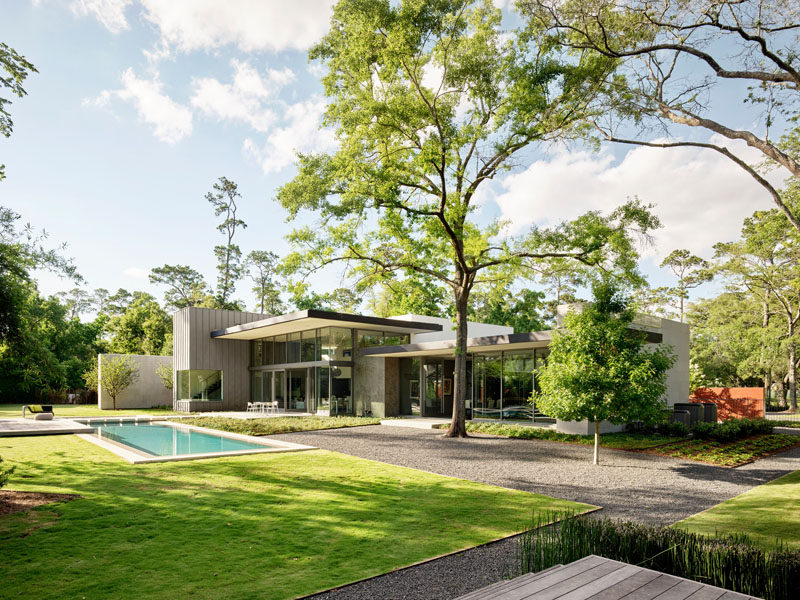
{"x": 137, "y": 457}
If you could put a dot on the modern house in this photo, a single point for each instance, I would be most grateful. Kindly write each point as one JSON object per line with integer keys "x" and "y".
{"x": 333, "y": 363}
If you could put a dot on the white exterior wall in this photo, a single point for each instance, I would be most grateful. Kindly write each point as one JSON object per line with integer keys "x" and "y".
{"x": 448, "y": 332}
{"x": 145, "y": 392}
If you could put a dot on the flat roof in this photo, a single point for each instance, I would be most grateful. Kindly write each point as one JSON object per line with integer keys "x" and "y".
{"x": 489, "y": 343}
{"x": 312, "y": 319}
{"x": 477, "y": 345}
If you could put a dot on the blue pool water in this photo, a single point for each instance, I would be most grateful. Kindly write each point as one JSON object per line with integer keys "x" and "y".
{"x": 157, "y": 439}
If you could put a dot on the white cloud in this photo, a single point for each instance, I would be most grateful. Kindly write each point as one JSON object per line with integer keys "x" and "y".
{"x": 243, "y": 99}
{"x": 135, "y": 272}
{"x": 302, "y": 133}
{"x": 700, "y": 196}
{"x": 171, "y": 121}
{"x": 264, "y": 25}
{"x": 111, "y": 13}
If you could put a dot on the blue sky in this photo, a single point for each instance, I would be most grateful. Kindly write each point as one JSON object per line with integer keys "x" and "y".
{"x": 140, "y": 105}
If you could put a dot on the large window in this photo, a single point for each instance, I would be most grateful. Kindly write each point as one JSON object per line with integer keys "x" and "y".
{"x": 488, "y": 387}
{"x": 517, "y": 386}
{"x": 341, "y": 390}
{"x": 293, "y": 348}
{"x": 199, "y": 385}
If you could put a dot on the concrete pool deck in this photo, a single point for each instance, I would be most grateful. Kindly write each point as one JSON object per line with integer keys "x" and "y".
{"x": 19, "y": 427}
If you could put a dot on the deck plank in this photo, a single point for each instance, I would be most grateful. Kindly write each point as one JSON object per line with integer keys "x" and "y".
{"x": 623, "y": 588}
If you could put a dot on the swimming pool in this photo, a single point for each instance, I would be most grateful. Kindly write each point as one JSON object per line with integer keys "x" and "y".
{"x": 146, "y": 441}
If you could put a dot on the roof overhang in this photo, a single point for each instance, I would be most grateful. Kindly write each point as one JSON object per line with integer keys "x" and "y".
{"x": 478, "y": 345}
{"x": 491, "y": 343}
{"x": 312, "y": 319}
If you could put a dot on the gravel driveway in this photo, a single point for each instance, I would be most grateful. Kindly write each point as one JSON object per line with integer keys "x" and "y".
{"x": 628, "y": 485}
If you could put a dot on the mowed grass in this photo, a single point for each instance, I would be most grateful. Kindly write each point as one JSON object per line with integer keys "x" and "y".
{"x": 14, "y": 411}
{"x": 273, "y": 425}
{"x": 259, "y": 526}
{"x": 767, "y": 513}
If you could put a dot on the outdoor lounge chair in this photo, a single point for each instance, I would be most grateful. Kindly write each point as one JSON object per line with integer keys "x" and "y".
{"x": 40, "y": 412}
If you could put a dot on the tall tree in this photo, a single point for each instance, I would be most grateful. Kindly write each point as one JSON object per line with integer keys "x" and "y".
{"x": 678, "y": 55}
{"x": 229, "y": 255}
{"x": 343, "y": 300}
{"x": 429, "y": 101}
{"x": 14, "y": 69}
{"x": 262, "y": 268}
{"x": 691, "y": 272}
{"x": 766, "y": 262}
{"x": 185, "y": 286}
{"x": 142, "y": 328}
{"x": 598, "y": 369}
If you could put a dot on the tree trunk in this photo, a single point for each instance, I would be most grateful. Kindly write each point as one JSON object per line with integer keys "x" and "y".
{"x": 458, "y": 426}
{"x": 767, "y": 387}
{"x": 781, "y": 392}
{"x": 792, "y": 377}
{"x": 596, "y": 442}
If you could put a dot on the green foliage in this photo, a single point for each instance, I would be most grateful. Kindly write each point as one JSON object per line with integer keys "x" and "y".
{"x": 733, "y": 429}
{"x": 429, "y": 100}
{"x": 730, "y": 454}
{"x": 185, "y": 286}
{"x": 229, "y": 255}
{"x": 143, "y": 328}
{"x": 4, "y": 474}
{"x": 261, "y": 266}
{"x": 275, "y": 425}
{"x": 116, "y": 374}
{"x": 598, "y": 368}
{"x": 14, "y": 69}
{"x": 343, "y": 300}
{"x": 618, "y": 441}
{"x": 731, "y": 562}
{"x": 164, "y": 373}
{"x": 524, "y": 310}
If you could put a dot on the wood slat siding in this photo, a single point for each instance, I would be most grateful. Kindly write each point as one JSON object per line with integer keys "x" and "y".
{"x": 194, "y": 348}
{"x": 596, "y": 578}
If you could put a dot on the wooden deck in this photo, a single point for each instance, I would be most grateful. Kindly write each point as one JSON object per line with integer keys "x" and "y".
{"x": 598, "y": 578}
{"x": 15, "y": 427}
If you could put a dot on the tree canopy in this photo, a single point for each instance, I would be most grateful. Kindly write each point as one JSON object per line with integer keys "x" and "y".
{"x": 430, "y": 100}
{"x": 599, "y": 370}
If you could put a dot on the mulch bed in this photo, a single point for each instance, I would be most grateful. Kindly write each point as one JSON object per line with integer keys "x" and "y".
{"x": 14, "y": 501}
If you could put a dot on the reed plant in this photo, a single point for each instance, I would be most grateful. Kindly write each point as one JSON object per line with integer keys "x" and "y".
{"x": 730, "y": 562}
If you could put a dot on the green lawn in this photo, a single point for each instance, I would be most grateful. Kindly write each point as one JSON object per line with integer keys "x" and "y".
{"x": 766, "y": 513}
{"x": 8, "y": 411}
{"x": 259, "y": 526}
{"x": 273, "y": 425}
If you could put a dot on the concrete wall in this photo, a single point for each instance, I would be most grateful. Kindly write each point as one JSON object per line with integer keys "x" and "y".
{"x": 194, "y": 348}
{"x": 369, "y": 385}
{"x": 448, "y": 333}
{"x": 145, "y": 392}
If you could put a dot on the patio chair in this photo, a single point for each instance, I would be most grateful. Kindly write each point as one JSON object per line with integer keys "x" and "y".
{"x": 40, "y": 412}
{"x": 253, "y": 407}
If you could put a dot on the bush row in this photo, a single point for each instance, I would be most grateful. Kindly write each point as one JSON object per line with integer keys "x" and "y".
{"x": 733, "y": 429}
{"x": 733, "y": 562}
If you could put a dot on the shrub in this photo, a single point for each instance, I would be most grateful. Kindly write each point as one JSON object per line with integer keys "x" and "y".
{"x": 673, "y": 429}
{"x": 734, "y": 429}
{"x": 732, "y": 562}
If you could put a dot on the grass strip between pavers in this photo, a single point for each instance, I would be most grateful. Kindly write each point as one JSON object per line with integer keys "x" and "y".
{"x": 275, "y": 425}
{"x": 767, "y": 514}
{"x": 267, "y": 526}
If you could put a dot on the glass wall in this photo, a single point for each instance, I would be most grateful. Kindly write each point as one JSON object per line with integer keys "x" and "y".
{"x": 341, "y": 390}
{"x": 369, "y": 339}
{"x": 434, "y": 399}
{"x": 323, "y": 388}
{"x": 487, "y": 386}
{"x": 199, "y": 385}
{"x": 293, "y": 348}
{"x": 517, "y": 386}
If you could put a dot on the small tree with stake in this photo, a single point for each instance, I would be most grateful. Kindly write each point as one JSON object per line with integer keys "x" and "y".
{"x": 598, "y": 368}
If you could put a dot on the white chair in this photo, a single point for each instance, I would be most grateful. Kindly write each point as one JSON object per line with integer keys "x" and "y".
{"x": 252, "y": 406}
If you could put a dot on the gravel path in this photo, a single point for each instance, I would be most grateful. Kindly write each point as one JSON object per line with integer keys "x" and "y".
{"x": 628, "y": 485}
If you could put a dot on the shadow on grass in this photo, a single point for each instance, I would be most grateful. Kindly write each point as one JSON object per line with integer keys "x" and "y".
{"x": 271, "y": 526}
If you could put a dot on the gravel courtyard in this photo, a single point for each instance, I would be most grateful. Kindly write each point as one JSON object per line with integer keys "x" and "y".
{"x": 628, "y": 485}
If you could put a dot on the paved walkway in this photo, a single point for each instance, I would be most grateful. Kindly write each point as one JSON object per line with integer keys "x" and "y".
{"x": 14, "y": 427}
{"x": 628, "y": 485}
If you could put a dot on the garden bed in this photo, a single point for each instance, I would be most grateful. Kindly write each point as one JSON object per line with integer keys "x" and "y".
{"x": 729, "y": 454}
{"x": 275, "y": 425}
